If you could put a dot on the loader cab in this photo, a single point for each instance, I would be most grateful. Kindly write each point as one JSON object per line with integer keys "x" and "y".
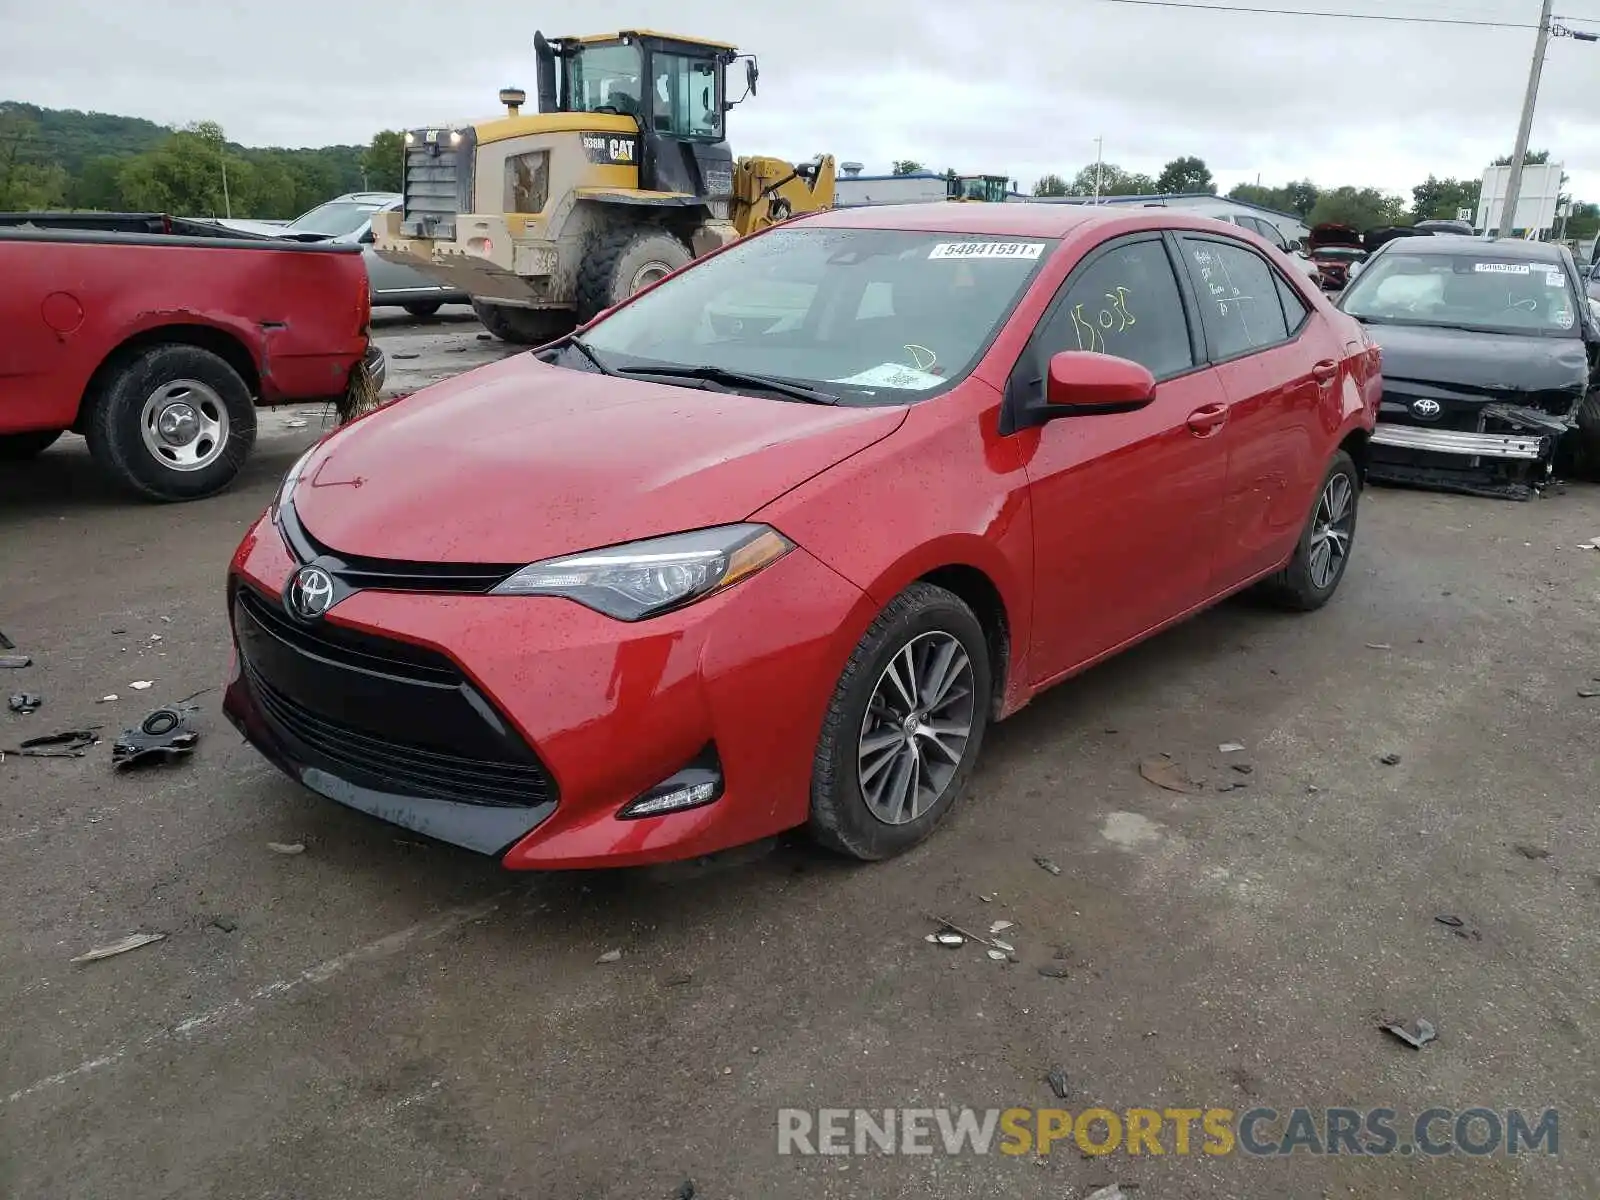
{"x": 673, "y": 88}
{"x": 991, "y": 189}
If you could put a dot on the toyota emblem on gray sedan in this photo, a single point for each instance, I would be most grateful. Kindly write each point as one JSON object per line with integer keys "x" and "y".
{"x": 1426, "y": 409}
{"x": 311, "y": 593}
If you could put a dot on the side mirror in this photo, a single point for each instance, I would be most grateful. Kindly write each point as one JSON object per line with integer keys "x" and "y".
{"x": 1080, "y": 383}
{"x": 751, "y": 74}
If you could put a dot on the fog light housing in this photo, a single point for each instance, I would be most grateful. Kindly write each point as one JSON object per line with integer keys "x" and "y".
{"x": 695, "y": 786}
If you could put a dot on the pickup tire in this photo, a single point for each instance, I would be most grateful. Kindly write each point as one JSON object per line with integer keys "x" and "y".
{"x": 422, "y": 308}
{"x": 622, "y": 260}
{"x": 172, "y": 422}
{"x": 1589, "y": 427}
{"x": 523, "y": 326}
{"x": 15, "y": 447}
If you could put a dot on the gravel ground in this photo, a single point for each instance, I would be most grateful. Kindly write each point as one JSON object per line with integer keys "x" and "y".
{"x": 379, "y": 1016}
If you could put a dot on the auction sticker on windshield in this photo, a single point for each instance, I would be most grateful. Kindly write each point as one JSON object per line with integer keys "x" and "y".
{"x": 894, "y": 375}
{"x": 1503, "y": 268}
{"x": 965, "y": 250}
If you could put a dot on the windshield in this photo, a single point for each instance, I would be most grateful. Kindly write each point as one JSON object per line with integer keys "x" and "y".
{"x": 334, "y": 219}
{"x": 983, "y": 188}
{"x": 872, "y": 315}
{"x": 1470, "y": 290}
{"x": 605, "y": 77}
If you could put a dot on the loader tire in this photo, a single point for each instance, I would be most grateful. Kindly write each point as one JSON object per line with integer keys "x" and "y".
{"x": 523, "y": 326}
{"x": 621, "y": 261}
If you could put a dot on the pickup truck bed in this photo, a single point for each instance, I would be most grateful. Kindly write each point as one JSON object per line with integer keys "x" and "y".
{"x": 155, "y": 337}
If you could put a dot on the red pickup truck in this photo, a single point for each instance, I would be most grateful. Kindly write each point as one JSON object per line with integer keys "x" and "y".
{"x": 155, "y": 337}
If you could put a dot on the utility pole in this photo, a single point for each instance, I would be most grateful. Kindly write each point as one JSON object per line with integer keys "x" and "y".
{"x": 1508, "y": 215}
{"x": 227, "y": 205}
{"x": 1099, "y": 158}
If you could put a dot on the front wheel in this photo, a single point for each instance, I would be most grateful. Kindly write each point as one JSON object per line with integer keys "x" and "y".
{"x": 15, "y": 447}
{"x": 422, "y": 308}
{"x": 904, "y": 728}
{"x": 622, "y": 261}
{"x": 1319, "y": 561}
{"x": 174, "y": 422}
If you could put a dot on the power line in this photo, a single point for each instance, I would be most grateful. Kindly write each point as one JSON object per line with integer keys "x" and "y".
{"x": 1344, "y": 16}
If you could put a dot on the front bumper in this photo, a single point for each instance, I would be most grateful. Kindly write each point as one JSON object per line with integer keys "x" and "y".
{"x": 1524, "y": 447}
{"x": 1510, "y": 454}
{"x": 520, "y": 726}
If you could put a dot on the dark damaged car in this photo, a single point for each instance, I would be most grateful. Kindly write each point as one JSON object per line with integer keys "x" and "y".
{"x": 1491, "y": 360}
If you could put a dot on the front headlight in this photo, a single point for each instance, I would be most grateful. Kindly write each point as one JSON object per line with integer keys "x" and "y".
{"x": 286, "y": 488}
{"x": 642, "y": 579}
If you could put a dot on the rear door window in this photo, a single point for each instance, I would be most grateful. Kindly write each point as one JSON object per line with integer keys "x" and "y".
{"x": 1240, "y": 305}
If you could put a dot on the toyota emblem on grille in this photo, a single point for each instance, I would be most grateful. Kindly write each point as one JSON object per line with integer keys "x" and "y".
{"x": 311, "y": 593}
{"x": 1426, "y": 409}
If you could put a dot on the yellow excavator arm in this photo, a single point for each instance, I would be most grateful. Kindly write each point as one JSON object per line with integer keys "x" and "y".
{"x": 769, "y": 190}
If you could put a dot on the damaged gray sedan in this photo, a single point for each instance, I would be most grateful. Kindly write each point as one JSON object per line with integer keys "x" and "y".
{"x": 1491, "y": 359}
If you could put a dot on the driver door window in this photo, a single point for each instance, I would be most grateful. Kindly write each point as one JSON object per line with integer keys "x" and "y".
{"x": 685, "y": 96}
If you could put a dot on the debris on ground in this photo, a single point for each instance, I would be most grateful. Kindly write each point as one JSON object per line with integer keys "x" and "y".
{"x": 1057, "y": 1079}
{"x": 131, "y": 942}
{"x": 1588, "y": 693}
{"x": 485, "y": 337}
{"x": 24, "y": 702}
{"x": 15, "y": 661}
{"x": 1416, "y": 1041}
{"x": 1001, "y": 926}
{"x": 1243, "y": 768}
{"x": 947, "y": 927}
{"x": 998, "y": 955}
{"x": 298, "y": 423}
{"x": 1111, "y": 1191}
{"x": 1047, "y": 864}
{"x": 405, "y": 354}
{"x": 679, "y": 978}
{"x": 5, "y": 642}
{"x": 1390, "y": 760}
{"x": 140, "y": 685}
{"x": 686, "y": 1188}
{"x": 107, "y": 699}
{"x": 1379, "y": 646}
{"x": 226, "y": 924}
{"x": 1053, "y": 971}
{"x": 1230, "y": 747}
{"x": 610, "y": 956}
{"x": 1452, "y": 921}
{"x": 287, "y": 847}
{"x": 950, "y": 940}
{"x": 164, "y": 734}
{"x": 1165, "y": 773}
{"x": 1534, "y": 852}
{"x": 69, "y": 743}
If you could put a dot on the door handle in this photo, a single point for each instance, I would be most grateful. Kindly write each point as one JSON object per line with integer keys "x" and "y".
{"x": 1325, "y": 371}
{"x": 1206, "y": 420}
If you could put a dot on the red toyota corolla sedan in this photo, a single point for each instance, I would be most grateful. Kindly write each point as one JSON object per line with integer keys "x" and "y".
{"x": 770, "y": 544}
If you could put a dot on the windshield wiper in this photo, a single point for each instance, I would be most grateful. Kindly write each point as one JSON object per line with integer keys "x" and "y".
{"x": 731, "y": 378}
{"x": 583, "y": 348}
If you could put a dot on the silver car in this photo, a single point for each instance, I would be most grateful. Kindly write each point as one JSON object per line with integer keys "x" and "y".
{"x": 348, "y": 218}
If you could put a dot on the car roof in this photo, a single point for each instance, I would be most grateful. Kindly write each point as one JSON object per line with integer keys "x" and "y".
{"x": 1451, "y": 243}
{"x": 1020, "y": 219}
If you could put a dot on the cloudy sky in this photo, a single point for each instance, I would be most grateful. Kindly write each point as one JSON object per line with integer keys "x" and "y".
{"x": 1020, "y": 87}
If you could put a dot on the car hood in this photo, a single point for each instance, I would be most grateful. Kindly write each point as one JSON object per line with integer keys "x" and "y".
{"x": 521, "y": 461}
{"x": 1494, "y": 365}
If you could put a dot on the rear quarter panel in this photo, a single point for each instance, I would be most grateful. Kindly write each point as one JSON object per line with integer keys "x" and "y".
{"x": 69, "y": 302}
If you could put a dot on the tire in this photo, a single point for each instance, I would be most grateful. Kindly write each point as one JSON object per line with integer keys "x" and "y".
{"x": 195, "y": 390}
{"x": 925, "y": 620}
{"x": 622, "y": 260}
{"x": 523, "y": 326}
{"x": 1589, "y": 427}
{"x": 16, "y": 447}
{"x": 422, "y": 308}
{"x": 1304, "y": 586}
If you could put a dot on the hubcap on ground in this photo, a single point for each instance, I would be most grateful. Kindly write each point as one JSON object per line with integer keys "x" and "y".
{"x": 184, "y": 425}
{"x": 648, "y": 274}
{"x": 1331, "y": 529}
{"x": 917, "y": 726}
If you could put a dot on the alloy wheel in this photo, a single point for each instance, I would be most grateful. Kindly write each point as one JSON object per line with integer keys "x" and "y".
{"x": 1331, "y": 530}
{"x": 916, "y": 728}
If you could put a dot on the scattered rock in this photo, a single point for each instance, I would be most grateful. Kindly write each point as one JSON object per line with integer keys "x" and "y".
{"x": 1379, "y": 646}
{"x": 1165, "y": 773}
{"x": 1230, "y": 747}
{"x": 1243, "y": 768}
{"x": 24, "y": 702}
{"x": 610, "y": 956}
{"x": 998, "y": 955}
{"x": 1057, "y": 1079}
{"x": 686, "y": 1188}
{"x": 131, "y": 942}
{"x": 1110, "y": 1192}
{"x": 287, "y": 847}
{"x": 1047, "y": 864}
{"x": 1534, "y": 852}
{"x": 1390, "y": 760}
{"x": 107, "y": 699}
{"x": 949, "y": 940}
{"x": 226, "y": 924}
{"x": 1424, "y": 1034}
{"x": 1054, "y": 971}
{"x": 141, "y": 685}
{"x": 1001, "y": 926}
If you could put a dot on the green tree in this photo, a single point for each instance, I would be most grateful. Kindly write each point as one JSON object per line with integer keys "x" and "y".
{"x": 907, "y": 166}
{"x": 1050, "y": 185}
{"x": 1442, "y": 199}
{"x": 1583, "y": 222}
{"x": 1363, "y": 208}
{"x": 1533, "y": 158}
{"x": 27, "y": 179}
{"x": 383, "y": 162}
{"x": 1187, "y": 174}
{"x": 1114, "y": 181}
{"x": 1300, "y": 197}
{"x": 191, "y": 173}
{"x": 96, "y": 184}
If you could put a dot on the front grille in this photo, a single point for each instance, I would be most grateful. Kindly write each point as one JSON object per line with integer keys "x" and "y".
{"x": 381, "y": 714}
{"x": 357, "y": 572}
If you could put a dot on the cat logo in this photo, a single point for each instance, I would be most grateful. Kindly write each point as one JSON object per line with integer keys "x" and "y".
{"x": 615, "y": 151}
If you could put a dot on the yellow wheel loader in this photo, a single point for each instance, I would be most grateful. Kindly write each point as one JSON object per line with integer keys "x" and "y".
{"x": 623, "y": 175}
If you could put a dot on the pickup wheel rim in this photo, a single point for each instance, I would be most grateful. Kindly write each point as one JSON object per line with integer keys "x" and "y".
{"x": 1331, "y": 529}
{"x": 917, "y": 728}
{"x": 184, "y": 425}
